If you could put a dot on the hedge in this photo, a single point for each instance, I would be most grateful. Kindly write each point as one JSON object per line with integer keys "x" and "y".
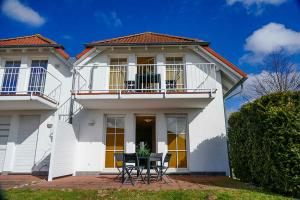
{"x": 264, "y": 142}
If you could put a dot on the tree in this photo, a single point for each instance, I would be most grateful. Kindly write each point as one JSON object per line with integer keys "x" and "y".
{"x": 279, "y": 74}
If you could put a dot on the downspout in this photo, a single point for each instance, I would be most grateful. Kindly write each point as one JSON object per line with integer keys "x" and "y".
{"x": 226, "y": 97}
{"x": 72, "y": 96}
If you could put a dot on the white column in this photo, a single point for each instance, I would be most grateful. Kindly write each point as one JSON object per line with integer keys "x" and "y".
{"x": 100, "y": 74}
{"x": 161, "y": 69}
{"x": 24, "y": 75}
{"x": 132, "y": 68}
{"x": 130, "y": 133}
{"x": 161, "y": 134}
{"x": 11, "y": 144}
{"x": 2, "y": 65}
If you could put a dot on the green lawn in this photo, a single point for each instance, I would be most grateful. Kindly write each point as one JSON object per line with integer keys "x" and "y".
{"x": 222, "y": 194}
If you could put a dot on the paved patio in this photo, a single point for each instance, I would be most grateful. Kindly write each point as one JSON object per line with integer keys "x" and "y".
{"x": 109, "y": 182}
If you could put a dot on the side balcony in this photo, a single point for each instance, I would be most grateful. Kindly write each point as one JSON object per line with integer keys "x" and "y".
{"x": 145, "y": 86}
{"x": 30, "y": 88}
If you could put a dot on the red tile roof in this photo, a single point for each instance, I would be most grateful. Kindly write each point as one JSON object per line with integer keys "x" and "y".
{"x": 83, "y": 52}
{"x": 221, "y": 58}
{"x": 147, "y": 38}
{"x": 36, "y": 40}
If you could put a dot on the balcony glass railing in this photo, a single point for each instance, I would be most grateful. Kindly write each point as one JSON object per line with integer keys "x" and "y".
{"x": 29, "y": 81}
{"x": 167, "y": 78}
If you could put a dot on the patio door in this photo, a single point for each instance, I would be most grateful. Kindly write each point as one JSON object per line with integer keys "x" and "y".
{"x": 145, "y": 132}
{"x": 11, "y": 75}
{"x": 177, "y": 141}
{"x": 115, "y": 128}
{"x": 146, "y": 77}
{"x": 37, "y": 76}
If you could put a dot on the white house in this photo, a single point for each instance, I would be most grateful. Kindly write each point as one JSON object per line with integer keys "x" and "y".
{"x": 35, "y": 80}
{"x": 160, "y": 90}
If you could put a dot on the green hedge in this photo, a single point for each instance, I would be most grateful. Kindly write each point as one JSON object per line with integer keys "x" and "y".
{"x": 264, "y": 142}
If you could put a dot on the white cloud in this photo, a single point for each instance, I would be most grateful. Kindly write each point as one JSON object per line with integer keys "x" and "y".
{"x": 255, "y": 6}
{"x": 269, "y": 38}
{"x": 14, "y": 9}
{"x": 248, "y": 3}
{"x": 111, "y": 19}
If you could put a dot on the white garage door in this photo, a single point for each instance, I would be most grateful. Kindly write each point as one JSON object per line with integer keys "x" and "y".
{"x": 26, "y": 143}
{"x": 4, "y": 132}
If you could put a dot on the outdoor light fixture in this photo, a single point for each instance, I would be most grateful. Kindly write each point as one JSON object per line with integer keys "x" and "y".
{"x": 92, "y": 123}
{"x": 49, "y": 125}
{"x": 147, "y": 120}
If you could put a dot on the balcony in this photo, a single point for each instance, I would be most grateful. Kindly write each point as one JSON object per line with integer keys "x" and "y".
{"x": 145, "y": 86}
{"x": 32, "y": 88}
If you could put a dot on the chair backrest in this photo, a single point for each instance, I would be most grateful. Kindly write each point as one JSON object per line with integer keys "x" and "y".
{"x": 167, "y": 158}
{"x": 131, "y": 158}
{"x": 156, "y": 156}
{"x": 118, "y": 157}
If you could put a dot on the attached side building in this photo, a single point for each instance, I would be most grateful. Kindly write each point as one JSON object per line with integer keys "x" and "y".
{"x": 35, "y": 80}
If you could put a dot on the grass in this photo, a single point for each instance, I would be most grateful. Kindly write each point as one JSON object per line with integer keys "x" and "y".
{"x": 220, "y": 194}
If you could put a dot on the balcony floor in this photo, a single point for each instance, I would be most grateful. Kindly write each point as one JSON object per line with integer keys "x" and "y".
{"x": 26, "y": 102}
{"x": 151, "y": 100}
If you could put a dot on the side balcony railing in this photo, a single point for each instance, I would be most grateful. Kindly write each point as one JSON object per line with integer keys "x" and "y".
{"x": 146, "y": 78}
{"x": 33, "y": 81}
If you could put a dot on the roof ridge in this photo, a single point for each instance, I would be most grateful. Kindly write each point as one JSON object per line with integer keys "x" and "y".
{"x": 28, "y": 36}
{"x": 120, "y": 37}
{"x": 175, "y": 36}
{"x": 45, "y": 39}
{"x": 18, "y": 37}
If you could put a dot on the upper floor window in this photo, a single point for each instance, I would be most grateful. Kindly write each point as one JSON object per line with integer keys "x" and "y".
{"x": 175, "y": 76}
{"x": 37, "y": 76}
{"x": 10, "y": 78}
{"x": 117, "y": 73}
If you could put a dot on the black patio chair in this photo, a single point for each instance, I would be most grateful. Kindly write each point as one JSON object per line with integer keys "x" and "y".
{"x": 119, "y": 163}
{"x": 131, "y": 164}
{"x": 155, "y": 161}
{"x": 164, "y": 168}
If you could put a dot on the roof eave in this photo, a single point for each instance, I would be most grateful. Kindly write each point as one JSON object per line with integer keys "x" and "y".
{"x": 147, "y": 44}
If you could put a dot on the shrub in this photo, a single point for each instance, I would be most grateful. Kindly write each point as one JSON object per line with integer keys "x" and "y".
{"x": 264, "y": 142}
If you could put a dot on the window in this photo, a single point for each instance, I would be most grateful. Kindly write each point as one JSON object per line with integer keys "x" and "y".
{"x": 10, "y": 79}
{"x": 177, "y": 141}
{"x": 37, "y": 76}
{"x": 114, "y": 139}
{"x": 117, "y": 75}
{"x": 174, "y": 73}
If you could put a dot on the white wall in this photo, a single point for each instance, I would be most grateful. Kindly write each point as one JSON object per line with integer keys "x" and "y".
{"x": 42, "y": 146}
{"x": 63, "y": 151}
{"x": 206, "y": 146}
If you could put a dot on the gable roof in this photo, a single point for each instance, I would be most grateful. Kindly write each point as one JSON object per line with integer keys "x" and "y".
{"x": 36, "y": 40}
{"x": 150, "y": 38}
{"x": 147, "y": 38}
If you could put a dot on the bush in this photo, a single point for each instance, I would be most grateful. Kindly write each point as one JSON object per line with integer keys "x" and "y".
{"x": 264, "y": 142}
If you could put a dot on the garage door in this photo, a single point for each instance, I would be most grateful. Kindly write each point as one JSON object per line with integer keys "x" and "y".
{"x": 26, "y": 143}
{"x": 4, "y": 132}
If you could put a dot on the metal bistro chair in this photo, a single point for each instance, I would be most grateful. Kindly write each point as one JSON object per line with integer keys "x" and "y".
{"x": 164, "y": 168}
{"x": 155, "y": 161}
{"x": 119, "y": 163}
{"x": 131, "y": 163}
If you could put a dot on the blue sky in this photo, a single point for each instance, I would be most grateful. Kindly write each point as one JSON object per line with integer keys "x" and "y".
{"x": 237, "y": 29}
